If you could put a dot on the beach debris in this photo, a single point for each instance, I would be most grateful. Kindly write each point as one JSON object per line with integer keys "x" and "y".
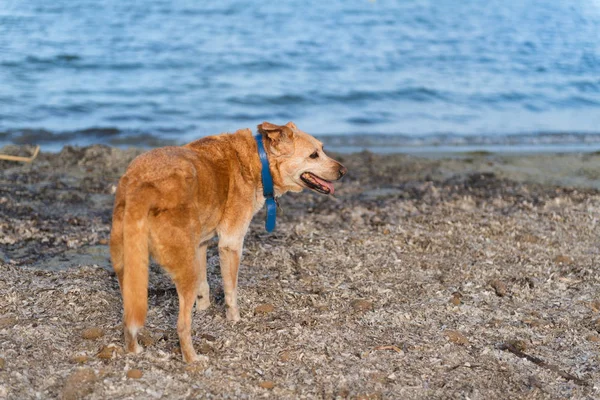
{"x": 390, "y": 347}
{"x": 543, "y": 364}
{"x": 9, "y": 157}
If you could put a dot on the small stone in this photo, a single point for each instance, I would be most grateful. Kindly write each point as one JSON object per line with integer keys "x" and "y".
{"x": 92, "y": 333}
{"x": 360, "y": 305}
{"x": 518, "y": 344}
{"x": 593, "y": 338}
{"x": 527, "y": 238}
{"x": 2, "y": 363}
{"x": 456, "y": 337}
{"x": 561, "y": 259}
{"x": 208, "y": 337}
{"x": 134, "y": 373}
{"x": 267, "y": 385}
{"x": 285, "y": 356}
{"x": 79, "y": 384}
{"x": 205, "y": 348}
{"x": 595, "y": 306}
{"x": 146, "y": 340}
{"x": 455, "y": 299}
{"x": 80, "y": 359}
{"x": 8, "y": 322}
{"x": 103, "y": 241}
{"x": 106, "y": 353}
{"x": 264, "y": 309}
{"x": 499, "y": 287}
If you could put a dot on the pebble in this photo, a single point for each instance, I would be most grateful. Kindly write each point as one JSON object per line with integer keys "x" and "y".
{"x": 8, "y": 322}
{"x": 134, "y": 373}
{"x": 360, "y": 305}
{"x": 456, "y": 337}
{"x": 205, "y": 348}
{"x": 499, "y": 287}
{"x": 561, "y": 259}
{"x": 2, "y": 363}
{"x": 208, "y": 337}
{"x": 267, "y": 384}
{"x": 455, "y": 299}
{"x": 518, "y": 344}
{"x": 92, "y": 333}
{"x": 146, "y": 340}
{"x": 80, "y": 359}
{"x": 593, "y": 338}
{"x": 264, "y": 309}
{"x": 285, "y": 356}
{"x": 79, "y": 384}
{"x": 107, "y": 352}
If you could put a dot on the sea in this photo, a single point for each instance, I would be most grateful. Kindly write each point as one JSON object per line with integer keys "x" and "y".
{"x": 403, "y": 75}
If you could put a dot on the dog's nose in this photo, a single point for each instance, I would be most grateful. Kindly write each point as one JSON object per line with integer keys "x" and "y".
{"x": 343, "y": 171}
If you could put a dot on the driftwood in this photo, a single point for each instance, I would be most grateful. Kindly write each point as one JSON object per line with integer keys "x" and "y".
{"x": 21, "y": 159}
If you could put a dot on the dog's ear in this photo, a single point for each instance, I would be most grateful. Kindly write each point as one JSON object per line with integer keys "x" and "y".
{"x": 292, "y": 125}
{"x": 279, "y": 138}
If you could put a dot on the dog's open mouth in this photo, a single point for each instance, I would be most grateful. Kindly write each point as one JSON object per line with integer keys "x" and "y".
{"x": 317, "y": 184}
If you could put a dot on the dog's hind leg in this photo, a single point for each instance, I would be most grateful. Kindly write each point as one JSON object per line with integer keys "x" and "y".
{"x": 183, "y": 265}
{"x": 203, "y": 300}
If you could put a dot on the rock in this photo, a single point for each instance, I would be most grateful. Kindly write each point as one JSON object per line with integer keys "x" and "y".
{"x": 267, "y": 384}
{"x": 79, "y": 384}
{"x": 285, "y": 356}
{"x": 264, "y": 309}
{"x": 134, "y": 373}
{"x": 2, "y": 363}
{"x": 107, "y": 352}
{"x": 361, "y": 305}
{"x": 208, "y": 337}
{"x": 205, "y": 348}
{"x": 593, "y": 338}
{"x": 499, "y": 287}
{"x": 80, "y": 359}
{"x": 455, "y": 299}
{"x": 595, "y": 306}
{"x": 456, "y": 337}
{"x": 8, "y": 322}
{"x": 518, "y": 344}
{"x": 528, "y": 238}
{"x": 561, "y": 259}
{"x": 92, "y": 333}
{"x": 146, "y": 340}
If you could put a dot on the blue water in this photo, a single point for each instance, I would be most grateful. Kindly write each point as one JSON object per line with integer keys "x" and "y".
{"x": 155, "y": 71}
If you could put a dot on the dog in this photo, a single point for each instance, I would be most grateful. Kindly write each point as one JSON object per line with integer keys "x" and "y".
{"x": 172, "y": 201}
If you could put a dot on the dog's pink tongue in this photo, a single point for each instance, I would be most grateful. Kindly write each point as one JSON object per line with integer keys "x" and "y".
{"x": 328, "y": 185}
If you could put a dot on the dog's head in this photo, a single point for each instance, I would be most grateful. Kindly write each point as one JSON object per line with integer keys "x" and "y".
{"x": 298, "y": 161}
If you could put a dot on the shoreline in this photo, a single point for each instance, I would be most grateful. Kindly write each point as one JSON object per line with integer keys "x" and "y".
{"x": 414, "y": 279}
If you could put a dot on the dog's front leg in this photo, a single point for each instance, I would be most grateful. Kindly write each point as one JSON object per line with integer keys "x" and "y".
{"x": 230, "y": 251}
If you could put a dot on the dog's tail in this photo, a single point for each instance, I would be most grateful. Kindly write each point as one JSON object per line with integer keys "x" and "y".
{"x": 134, "y": 276}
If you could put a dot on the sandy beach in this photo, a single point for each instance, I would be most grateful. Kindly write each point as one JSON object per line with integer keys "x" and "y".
{"x": 450, "y": 276}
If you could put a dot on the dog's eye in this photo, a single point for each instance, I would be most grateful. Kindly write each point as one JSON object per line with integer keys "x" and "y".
{"x": 315, "y": 155}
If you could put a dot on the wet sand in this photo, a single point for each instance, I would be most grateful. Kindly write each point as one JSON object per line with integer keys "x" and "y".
{"x": 450, "y": 276}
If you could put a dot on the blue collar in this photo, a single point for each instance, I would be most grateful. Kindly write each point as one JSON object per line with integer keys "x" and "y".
{"x": 267, "y": 182}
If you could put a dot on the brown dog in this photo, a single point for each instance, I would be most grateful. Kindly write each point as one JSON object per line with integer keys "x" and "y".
{"x": 173, "y": 200}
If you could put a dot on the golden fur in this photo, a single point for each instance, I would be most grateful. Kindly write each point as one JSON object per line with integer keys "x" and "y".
{"x": 173, "y": 200}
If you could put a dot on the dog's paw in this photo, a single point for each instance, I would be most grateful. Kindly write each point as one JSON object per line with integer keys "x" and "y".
{"x": 233, "y": 314}
{"x": 202, "y": 303}
{"x": 195, "y": 359}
